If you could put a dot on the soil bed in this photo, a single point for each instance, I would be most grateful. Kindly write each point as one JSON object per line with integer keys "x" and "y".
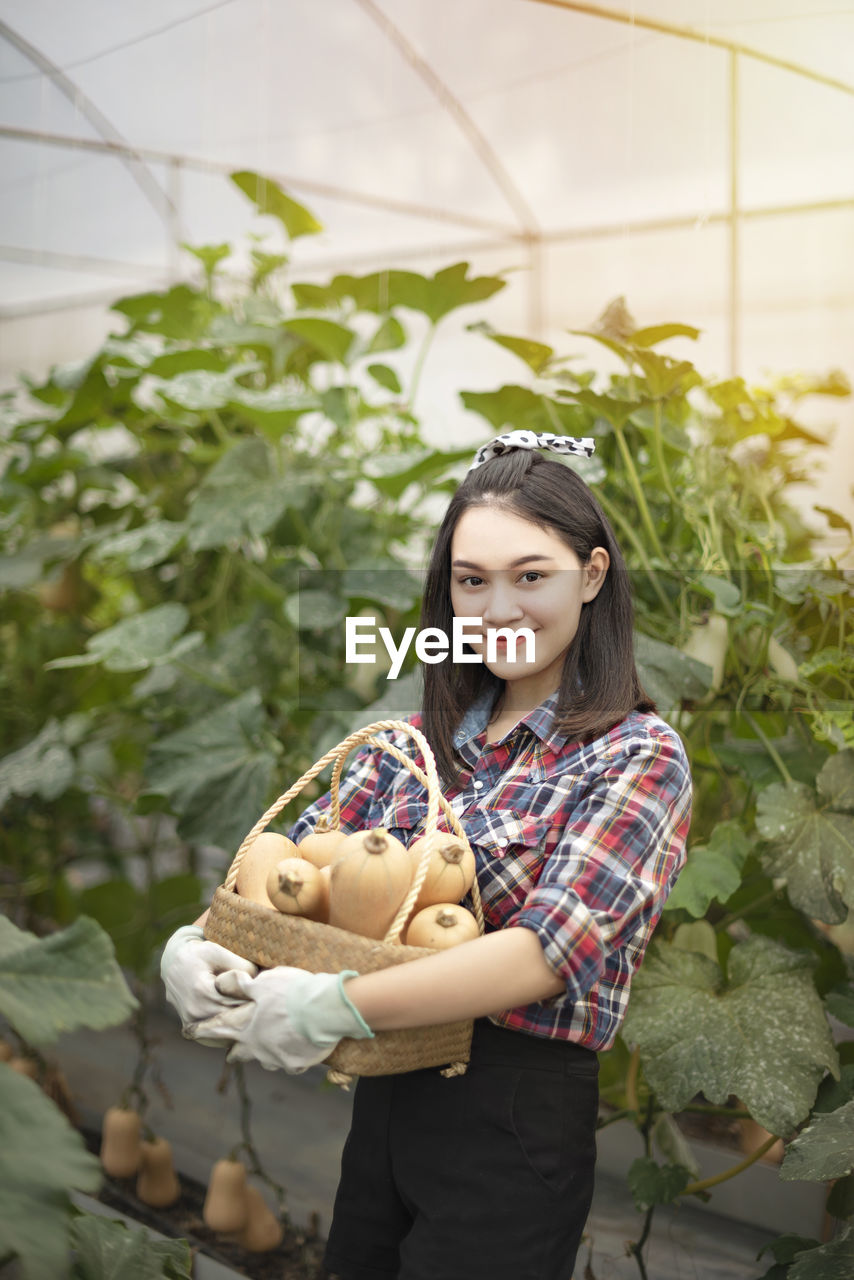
{"x": 298, "y": 1257}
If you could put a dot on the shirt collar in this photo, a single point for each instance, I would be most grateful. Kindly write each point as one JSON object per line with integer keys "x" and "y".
{"x": 541, "y": 721}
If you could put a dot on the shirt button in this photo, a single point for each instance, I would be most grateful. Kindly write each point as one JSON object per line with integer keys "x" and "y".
{"x": 478, "y": 786}
{"x": 502, "y": 843}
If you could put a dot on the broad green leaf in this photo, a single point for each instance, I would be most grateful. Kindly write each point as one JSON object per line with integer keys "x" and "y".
{"x": 515, "y": 406}
{"x": 840, "y": 1004}
{"x": 180, "y": 312}
{"x": 833, "y": 1261}
{"x": 824, "y": 1149}
{"x": 712, "y": 872}
{"x": 761, "y": 1033}
{"x": 394, "y": 587}
{"x": 333, "y": 341}
{"x": 698, "y": 936}
{"x": 386, "y": 377}
{"x": 665, "y": 376}
{"x": 209, "y": 255}
{"x": 42, "y": 1157}
{"x": 784, "y": 1250}
{"x": 105, "y": 1249}
{"x": 143, "y": 547}
{"x": 269, "y": 198}
{"x": 309, "y": 610}
{"x": 216, "y": 772}
{"x": 66, "y": 980}
{"x": 654, "y": 334}
{"x": 834, "y": 519}
{"x": 720, "y": 588}
{"x": 43, "y": 767}
{"x": 390, "y": 336}
{"x": 134, "y": 644}
{"x": 651, "y": 1183}
{"x": 668, "y": 674}
{"x": 812, "y": 838}
{"x": 393, "y": 474}
{"x": 535, "y": 354}
{"x": 840, "y": 1202}
{"x": 198, "y": 390}
{"x": 241, "y": 496}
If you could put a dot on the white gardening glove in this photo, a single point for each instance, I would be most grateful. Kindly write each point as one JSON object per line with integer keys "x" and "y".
{"x": 189, "y": 967}
{"x": 290, "y": 1021}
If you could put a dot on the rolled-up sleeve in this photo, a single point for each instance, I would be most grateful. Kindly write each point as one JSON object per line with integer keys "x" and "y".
{"x": 604, "y": 884}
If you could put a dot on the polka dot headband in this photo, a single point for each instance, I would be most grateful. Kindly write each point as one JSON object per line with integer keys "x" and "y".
{"x": 510, "y": 440}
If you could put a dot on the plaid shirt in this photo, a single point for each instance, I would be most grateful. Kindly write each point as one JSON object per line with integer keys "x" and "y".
{"x": 581, "y": 843}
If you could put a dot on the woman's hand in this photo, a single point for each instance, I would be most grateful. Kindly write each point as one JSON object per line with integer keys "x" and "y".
{"x": 287, "y": 1019}
{"x": 189, "y": 967}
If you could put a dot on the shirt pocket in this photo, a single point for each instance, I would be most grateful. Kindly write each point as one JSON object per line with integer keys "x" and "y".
{"x": 404, "y": 816}
{"x": 509, "y": 849}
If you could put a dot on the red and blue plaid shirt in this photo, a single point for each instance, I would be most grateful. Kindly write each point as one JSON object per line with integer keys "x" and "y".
{"x": 580, "y": 842}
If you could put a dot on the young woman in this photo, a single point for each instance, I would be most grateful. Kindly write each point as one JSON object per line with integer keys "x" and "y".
{"x": 576, "y": 798}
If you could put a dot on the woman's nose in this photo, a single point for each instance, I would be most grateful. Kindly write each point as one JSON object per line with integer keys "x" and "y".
{"x": 502, "y": 606}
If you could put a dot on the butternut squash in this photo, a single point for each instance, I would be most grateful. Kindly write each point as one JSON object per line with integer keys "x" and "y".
{"x": 294, "y": 886}
{"x": 264, "y": 852}
{"x": 445, "y": 924}
{"x": 450, "y": 872}
{"x": 157, "y": 1183}
{"x": 320, "y": 847}
{"x": 263, "y": 1230}
{"x": 226, "y": 1206}
{"x": 120, "y": 1142}
{"x": 369, "y": 881}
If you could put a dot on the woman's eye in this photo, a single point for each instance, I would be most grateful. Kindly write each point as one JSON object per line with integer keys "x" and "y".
{"x": 471, "y": 581}
{"x": 531, "y": 576}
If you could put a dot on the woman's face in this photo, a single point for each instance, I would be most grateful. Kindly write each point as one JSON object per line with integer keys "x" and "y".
{"x": 508, "y": 572}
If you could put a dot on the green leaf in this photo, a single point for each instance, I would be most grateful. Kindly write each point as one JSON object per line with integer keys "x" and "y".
{"x": 825, "y": 1149}
{"x": 394, "y": 587}
{"x": 209, "y": 255}
{"x": 241, "y": 496}
{"x": 393, "y": 474}
{"x": 840, "y": 1003}
{"x": 840, "y": 1202}
{"x": 834, "y": 1261}
{"x": 812, "y": 838}
{"x": 43, "y": 767}
{"x": 180, "y": 312}
{"x": 386, "y": 377}
{"x": 269, "y": 198}
{"x": 712, "y": 872}
{"x": 656, "y": 333}
{"x": 309, "y": 610}
{"x": 216, "y": 771}
{"x": 66, "y": 980}
{"x": 535, "y": 354}
{"x": 333, "y": 341}
{"x": 143, "y": 547}
{"x": 668, "y": 674}
{"x": 834, "y": 519}
{"x": 390, "y": 336}
{"x": 651, "y": 1183}
{"x": 697, "y": 936}
{"x": 41, "y": 1158}
{"x": 137, "y": 643}
{"x": 105, "y": 1249}
{"x": 760, "y": 1034}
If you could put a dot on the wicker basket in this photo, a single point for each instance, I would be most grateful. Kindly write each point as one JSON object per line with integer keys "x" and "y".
{"x": 268, "y": 937}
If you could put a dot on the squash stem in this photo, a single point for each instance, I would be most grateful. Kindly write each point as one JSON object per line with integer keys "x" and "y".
{"x": 694, "y": 1187}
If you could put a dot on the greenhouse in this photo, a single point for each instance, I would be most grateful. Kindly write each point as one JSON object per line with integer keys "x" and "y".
{"x": 427, "y": 763}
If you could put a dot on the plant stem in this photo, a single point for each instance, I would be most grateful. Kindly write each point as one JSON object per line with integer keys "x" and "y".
{"x": 693, "y": 1187}
{"x": 637, "y": 490}
{"x": 771, "y": 896}
{"x": 635, "y": 1248}
{"x": 769, "y": 746}
{"x": 616, "y": 517}
{"x": 659, "y": 454}
{"x": 419, "y": 365}
{"x": 248, "y": 1146}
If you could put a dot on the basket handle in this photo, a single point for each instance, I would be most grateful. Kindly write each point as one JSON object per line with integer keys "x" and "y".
{"x": 428, "y": 777}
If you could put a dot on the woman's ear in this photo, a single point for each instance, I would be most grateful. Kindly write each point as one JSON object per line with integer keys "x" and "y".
{"x": 594, "y": 573}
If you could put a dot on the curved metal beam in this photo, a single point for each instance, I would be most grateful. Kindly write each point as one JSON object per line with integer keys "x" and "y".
{"x": 482, "y": 147}
{"x": 700, "y": 37}
{"x": 139, "y": 171}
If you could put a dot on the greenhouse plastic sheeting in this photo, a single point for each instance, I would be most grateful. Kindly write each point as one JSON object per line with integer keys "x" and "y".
{"x": 696, "y": 157}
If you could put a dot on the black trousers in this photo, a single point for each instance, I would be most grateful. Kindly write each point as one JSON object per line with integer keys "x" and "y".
{"x": 485, "y": 1176}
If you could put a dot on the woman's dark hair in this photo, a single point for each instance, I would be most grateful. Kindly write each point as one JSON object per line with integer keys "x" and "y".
{"x": 599, "y": 683}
